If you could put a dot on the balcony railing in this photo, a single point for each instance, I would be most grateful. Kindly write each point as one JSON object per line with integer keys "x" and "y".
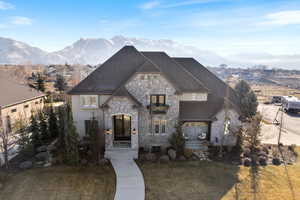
{"x": 158, "y": 108}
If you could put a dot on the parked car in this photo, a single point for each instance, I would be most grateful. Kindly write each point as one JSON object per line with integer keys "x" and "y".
{"x": 276, "y": 99}
{"x": 290, "y": 104}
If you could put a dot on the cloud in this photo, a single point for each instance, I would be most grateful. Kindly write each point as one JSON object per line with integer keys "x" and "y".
{"x": 282, "y": 18}
{"x": 188, "y": 2}
{"x": 155, "y": 4}
{"x": 150, "y": 5}
{"x": 6, "y": 6}
{"x": 18, "y": 20}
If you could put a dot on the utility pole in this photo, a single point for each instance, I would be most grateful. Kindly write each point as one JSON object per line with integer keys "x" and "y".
{"x": 280, "y": 127}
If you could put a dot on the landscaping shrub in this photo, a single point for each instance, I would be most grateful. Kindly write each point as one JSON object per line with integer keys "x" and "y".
{"x": 276, "y": 161}
{"x": 262, "y": 161}
{"x": 177, "y": 140}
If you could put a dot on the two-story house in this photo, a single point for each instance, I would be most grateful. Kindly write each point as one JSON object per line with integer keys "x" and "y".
{"x": 139, "y": 97}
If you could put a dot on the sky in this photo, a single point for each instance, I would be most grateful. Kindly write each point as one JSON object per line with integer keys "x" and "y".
{"x": 227, "y": 27}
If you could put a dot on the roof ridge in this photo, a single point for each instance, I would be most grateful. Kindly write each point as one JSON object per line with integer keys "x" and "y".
{"x": 188, "y": 73}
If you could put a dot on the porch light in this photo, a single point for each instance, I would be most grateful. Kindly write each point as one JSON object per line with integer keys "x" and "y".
{"x": 108, "y": 131}
{"x": 134, "y": 131}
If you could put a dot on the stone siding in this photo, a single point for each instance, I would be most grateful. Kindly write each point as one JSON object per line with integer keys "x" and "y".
{"x": 141, "y": 86}
{"x": 117, "y": 106}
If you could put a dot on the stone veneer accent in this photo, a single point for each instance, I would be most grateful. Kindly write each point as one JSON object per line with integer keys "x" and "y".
{"x": 141, "y": 86}
{"x": 117, "y": 106}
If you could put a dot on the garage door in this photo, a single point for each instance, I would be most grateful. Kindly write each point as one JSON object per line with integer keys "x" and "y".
{"x": 193, "y": 129}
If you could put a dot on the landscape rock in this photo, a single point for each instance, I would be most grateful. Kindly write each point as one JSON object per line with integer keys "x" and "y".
{"x": 172, "y": 154}
{"x": 164, "y": 158}
{"x": 42, "y": 148}
{"x": 150, "y": 157}
{"x": 247, "y": 162}
{"x": 103, "y": 161}
{"x": 40, "y": 163}
{"x": 42, "y": 156}
{"x": 182, "y": 158}
{"x": 26, "y": 165}
{"x": 48, "y": 164}
{"x": 1, "y": 186}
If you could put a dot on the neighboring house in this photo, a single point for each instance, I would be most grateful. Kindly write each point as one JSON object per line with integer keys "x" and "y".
{"x": 139, "y": 97}
{"x": 17, "y": 102}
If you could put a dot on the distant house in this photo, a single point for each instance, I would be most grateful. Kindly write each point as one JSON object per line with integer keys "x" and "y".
{"x": 17, "y": 101}
{"x": 139, "y": 97}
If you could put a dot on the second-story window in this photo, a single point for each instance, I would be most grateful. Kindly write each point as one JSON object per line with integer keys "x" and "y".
{"x": 88, "y": 101}
{"x": 158, "y": 99}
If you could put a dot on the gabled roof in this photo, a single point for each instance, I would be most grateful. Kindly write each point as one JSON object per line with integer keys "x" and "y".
{"x": 211, "y": 81}
{"x": 148, "y": 67}
{"x": 13, "y": 92}
{"x": 200, "y": 110}
{"x": 176, "y": 73}
{"x": 110, "y": 75}
{"x": 114, "y": 73}
{"x": 123, "y": 92}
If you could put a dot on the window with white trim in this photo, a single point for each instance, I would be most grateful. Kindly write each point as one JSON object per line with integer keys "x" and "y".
{"x": 160, "y": 126}
{"x": 89, "y": 101}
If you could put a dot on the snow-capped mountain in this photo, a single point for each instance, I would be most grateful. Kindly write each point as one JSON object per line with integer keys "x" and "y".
{"x": 95, "y": 51}
{"x": 15, "y": 52}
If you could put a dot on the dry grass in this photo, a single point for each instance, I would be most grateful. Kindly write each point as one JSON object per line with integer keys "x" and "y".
{"x": 214, "y": 181}
{"x": 61, "y": 183}
{"x": 267, "y": 91}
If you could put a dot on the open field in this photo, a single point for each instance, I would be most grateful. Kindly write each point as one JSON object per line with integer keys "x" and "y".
{"x": 265, "y": 92}
{"x": 60, "y": 183}
{"x": 214, "y": 181}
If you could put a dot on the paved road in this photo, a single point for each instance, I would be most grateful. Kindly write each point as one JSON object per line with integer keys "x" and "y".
{"x": 291, "y": 122}
{"x": 130, "y": 181}
{"x": 291, "y": 126}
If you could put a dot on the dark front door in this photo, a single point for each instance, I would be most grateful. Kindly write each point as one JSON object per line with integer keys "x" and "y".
{"x": 122, "y": 127}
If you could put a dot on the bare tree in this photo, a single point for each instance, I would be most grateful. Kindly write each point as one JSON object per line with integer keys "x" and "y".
{"x": 6, "y": 142}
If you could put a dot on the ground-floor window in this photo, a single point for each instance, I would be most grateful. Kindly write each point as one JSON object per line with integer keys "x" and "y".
{"x": 88, "y": 125}
{"x": 159, "y": 126}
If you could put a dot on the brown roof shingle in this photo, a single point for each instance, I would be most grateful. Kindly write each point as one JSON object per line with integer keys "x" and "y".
{"x": 13, "y": 92}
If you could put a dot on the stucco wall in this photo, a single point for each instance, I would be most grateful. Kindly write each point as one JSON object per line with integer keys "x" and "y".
{"x": 22, "y": 112}
{"x": 141, "y": 88}
{"x": 217, "y": 128}
{"x": 81, "y": 114}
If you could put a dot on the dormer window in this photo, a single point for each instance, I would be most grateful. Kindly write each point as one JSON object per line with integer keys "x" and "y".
{"x": 89, "y": 101}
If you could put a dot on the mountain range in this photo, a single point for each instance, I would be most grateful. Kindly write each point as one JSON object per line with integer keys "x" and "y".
{"x": 95, "y": 51}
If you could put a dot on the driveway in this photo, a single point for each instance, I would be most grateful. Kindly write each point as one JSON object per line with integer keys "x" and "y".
{"x": 290, "y": 126}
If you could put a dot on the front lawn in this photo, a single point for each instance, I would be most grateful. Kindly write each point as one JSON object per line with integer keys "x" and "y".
{"x": 196, "y": 180}
{"x": 61, "y": 183}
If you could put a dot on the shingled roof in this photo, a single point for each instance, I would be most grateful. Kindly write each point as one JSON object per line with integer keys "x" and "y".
{"x": 186, "y": 75}
{"x": 112, "y": 74}
{"x": 200, "y": 110}
{"x": 13, "y": 92}
{"x": 210, "y": 80}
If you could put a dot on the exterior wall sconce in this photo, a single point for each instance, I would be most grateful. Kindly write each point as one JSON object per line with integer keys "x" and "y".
{"x": 134, "y": 131}
{"x": 108, "y": 131}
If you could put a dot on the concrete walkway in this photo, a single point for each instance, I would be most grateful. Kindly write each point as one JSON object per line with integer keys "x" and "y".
{"x": 130, "y": 181}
